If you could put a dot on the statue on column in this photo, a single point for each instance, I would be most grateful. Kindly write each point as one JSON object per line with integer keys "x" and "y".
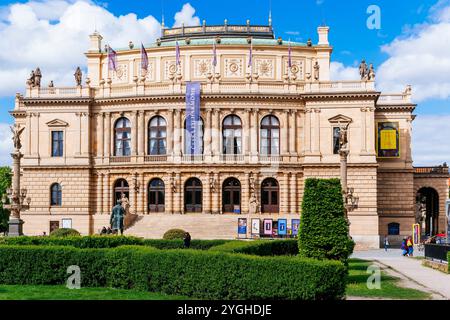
{"x": 117, "y": 218}
{"x": 212, "y": 184}
{"x": 16, "y": 131}
{"x": 125, "y": 203}
{"x": 78, "y": 76}
{"x": 37, "y": 77}
{"x": 343, "y": 138}
{"x": 31, "y": 79}
{"x": 316, "y": 71}
{"x": 371, "y": 73}
{"x": 253, "y": 206}
{"x": 363, "y": 70}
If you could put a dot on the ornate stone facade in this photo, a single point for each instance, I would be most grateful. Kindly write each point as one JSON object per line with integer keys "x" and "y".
{"x": 108, "y": 148}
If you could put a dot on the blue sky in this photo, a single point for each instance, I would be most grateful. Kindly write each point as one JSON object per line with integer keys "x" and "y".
{"x": 412, "y": 46}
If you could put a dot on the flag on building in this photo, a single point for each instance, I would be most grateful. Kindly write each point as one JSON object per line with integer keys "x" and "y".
{"x": 177, "y": 54}
{"x": 250, "y": 62}
{"x": 214, "y": 61}
{"x": 144, "y": 58}
{"x": 112, "y": 59}
{"x": 289, "y": 55}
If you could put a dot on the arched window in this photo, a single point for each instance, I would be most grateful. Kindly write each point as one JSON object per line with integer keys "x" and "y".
{"x": 121, "y": 188}
{"x": 156, "y": 195}
{"x": 231, "y": 196}
{"x": 270, "y": 196}
{"x": 55, "y": 195}
{"x": 157, "y": 133}
{"x": 193, "y": 195}
{"x": 232, "y": 135}
{"x": 189, "y": 143}
{"x": 393, "y": 229}
{"x": 122, "y": 137}
{"x": 270, "y": 136}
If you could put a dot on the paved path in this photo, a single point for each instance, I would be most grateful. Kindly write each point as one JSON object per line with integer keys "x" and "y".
{"x": 434, "y": 280}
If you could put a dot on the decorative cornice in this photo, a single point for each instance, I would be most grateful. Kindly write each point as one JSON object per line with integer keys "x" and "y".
{"x": 409, "y": 107}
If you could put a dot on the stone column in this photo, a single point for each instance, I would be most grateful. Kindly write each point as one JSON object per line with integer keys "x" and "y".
{"x": 245, "y": 194}
{"x": 169, "y": 192}
{"x": 284, "y": 139}
{"x": 170, "y": 133}
{"x": 246, "y": 132}
{"x": 79, "y": 139}
{"x": 254, "y": 135}
{"x": 316, "y": 141}
{"x": 292, "y": 133}
{"x": 408, "y": 142}
{"x": 215, "y": 196}
{"x": 307, "y": 130}
{"x": 284, "y": 196}
{"x": 141, "y": 134}
{"x": 180, "y": 190}
{"x": 99, "y": 193}
{"x": 106, "y": 194}
{"x": 134, "y": 126}
{"x": 100, "y": 134}
{"x": 300, "y": 139}
{"x": 107, "y": 145}
{"x": 177, "y": 134}
{"x": 85, "y": 133}
{"x": 293, "y": 193}
{"x": 142, "y": 195}
{"x": 28, "y": 130}
{"x": 207, "y": 194}
{"x": 363, "y": 130}
{"x": 371, "y": 130}
{"x": 208, "y": 135}
{"x": 216, "y": 135}
{"x": 35, "y": 134}
{"x": 134, "y": 193}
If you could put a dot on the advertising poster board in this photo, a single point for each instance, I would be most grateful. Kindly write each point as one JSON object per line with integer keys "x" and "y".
{"x": 256, "y": 227}
{"x": 67, "y": 223}
{"x": 295, "y": 225}
{"x": 388, "y": 140}
{"x": 268, "y": 227}
{"x": 242, "y": 226}
{"x": 282, "y": 227}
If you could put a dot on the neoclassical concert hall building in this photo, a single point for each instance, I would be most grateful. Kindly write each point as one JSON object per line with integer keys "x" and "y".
{"x": 269, "y": 119}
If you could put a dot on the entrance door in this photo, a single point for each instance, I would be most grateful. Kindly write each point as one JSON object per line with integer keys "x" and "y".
{"x": 270, "y": 196}
{"x": 54, "y": 225}
{"x": 156, "y": 196}
{"x": 231, "y": 196}
{"x": 121, "y": 187}
{"x": 193, "y": 195}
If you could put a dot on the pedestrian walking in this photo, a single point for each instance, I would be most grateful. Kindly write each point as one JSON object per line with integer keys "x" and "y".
{"x": 187, "y": 240}
{"x": 386, "y": 243}
{"x": 410, "y": 247}
{"x": 404, "y": 247}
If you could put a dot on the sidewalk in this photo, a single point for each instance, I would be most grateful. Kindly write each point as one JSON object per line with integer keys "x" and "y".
{"x": 411, "y": 268}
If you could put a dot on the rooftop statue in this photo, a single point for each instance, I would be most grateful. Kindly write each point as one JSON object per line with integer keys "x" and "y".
{"x": 37, "y": 77}
{"x": 31, "y": 79}
{"x": 316, "y": 71}
{"x": 371, "y": 74}
{"x": 343, "y": 138}
{"x": 78, "y": 76}
{"x": 363, "y": 70}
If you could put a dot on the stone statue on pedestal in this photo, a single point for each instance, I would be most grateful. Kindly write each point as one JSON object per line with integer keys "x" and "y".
{"x": 371, "y": 74}
{"x": 343, "y": 138}
{"x": 316, "y": 71}
{"x": 117, "y": 218}
{"x": 78, "y": 76}
{"x": 16, "y": 131}
{"x": 37, "y": 77}
{"x": 363, "y": 70}
{"x": 31, "y": 79}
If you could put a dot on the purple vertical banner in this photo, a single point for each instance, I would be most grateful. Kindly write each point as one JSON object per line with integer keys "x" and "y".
{"x": 193, "y": 117}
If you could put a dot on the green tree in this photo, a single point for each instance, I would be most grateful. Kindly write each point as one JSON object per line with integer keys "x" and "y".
{"x": 5, "y": 183}
{"x": 323, "y": 227}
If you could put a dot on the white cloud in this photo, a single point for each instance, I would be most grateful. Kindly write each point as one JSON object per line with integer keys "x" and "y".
{"x": 338, "y": 71}
{"x": 6, "y": 145}
{"x": 54, "y": 35}
{"x": 186, "y": 16}
{"x": 420, "y": 57}
{"x": 430, "y": 140}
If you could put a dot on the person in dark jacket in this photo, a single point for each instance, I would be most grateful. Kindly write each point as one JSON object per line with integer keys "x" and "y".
{"x": 187, "y": 240}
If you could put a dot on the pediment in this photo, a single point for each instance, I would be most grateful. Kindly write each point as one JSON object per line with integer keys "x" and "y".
{"x": 340, "y": 119}
{"x": 57, "y": 123}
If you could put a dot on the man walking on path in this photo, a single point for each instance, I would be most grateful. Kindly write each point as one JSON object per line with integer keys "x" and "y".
{"x": 386, "y": 243}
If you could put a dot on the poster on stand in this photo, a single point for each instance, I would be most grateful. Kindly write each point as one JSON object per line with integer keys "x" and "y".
{"x": 282, "y": 227}
{"x": 295, "y": 226}
{"x": 268, "y": 227}
{"x": 242, "y": 226}
{"x": 256, "y": 227}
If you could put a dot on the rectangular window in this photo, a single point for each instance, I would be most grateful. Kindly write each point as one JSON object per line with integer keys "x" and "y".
{"x": 57, "y": 143}
{"x": 336, "y": 131}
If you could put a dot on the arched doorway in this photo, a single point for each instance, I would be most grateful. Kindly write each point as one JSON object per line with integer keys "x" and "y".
{"x": 156, "y": 195}
{"x": 270, "y": 196}
{"x": 121, "y": 187}
{"x": 193, "y": 195}
{"x": 428, "y": 206}
{"x": 231, "y": 196}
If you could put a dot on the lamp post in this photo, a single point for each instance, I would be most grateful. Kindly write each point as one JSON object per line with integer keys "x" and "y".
{"x": 350, "y": 200}
{"x": 18, "y": 200}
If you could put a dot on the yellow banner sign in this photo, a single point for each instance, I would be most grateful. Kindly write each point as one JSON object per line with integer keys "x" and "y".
{"x": 388, "y": 139}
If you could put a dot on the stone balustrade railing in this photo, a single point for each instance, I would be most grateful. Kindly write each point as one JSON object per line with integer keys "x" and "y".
{"x": 225, "y": 87}
{"x": 394, "y": 98}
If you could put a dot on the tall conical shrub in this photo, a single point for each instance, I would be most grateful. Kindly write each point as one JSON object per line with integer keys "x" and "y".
{"x": 323, "y": 227}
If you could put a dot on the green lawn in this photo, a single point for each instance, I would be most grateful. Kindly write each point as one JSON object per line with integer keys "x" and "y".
{"x": 41, "y": 292}
{"x": 389, "y": 289}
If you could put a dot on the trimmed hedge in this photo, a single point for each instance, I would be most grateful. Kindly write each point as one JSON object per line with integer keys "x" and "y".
{"x": 111, "y": 241}
{"x": 193, "y": 273}
{"x": 324, "y": 231}
{"x": 65, "y": 232}
{"x": 260, "y": 247}
{"x": 174, "y": 234}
